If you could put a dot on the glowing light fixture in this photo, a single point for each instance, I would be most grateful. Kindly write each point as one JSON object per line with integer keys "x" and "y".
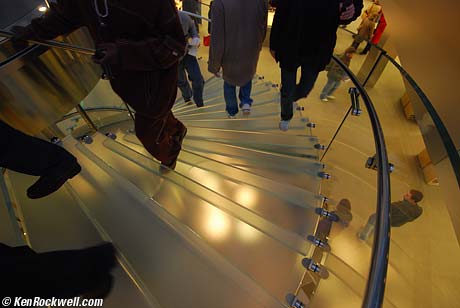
{"x": 42, "y": 8}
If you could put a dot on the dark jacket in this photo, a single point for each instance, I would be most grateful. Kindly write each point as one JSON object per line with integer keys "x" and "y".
{"x": 403, "y": 212}
{"x": 147, "y": 33}
{"x": 304, "y": 32}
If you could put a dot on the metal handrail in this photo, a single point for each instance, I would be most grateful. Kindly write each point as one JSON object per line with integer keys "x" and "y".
{"x": 442, "y": 129}
{"x": 55, "y": 44}
{"x": 95, "y": 109}
{"x": 375, "y": 288}
{"x": 447, "y": 141}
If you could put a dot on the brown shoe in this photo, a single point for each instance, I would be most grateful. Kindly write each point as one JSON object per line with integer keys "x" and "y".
{"x": 167, "y": 166}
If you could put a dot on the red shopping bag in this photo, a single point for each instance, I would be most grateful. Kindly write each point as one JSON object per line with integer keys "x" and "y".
{"x": 207, "y": 40}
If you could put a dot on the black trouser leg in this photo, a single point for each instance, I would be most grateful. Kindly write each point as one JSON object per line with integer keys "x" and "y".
{"x": 26, "y": 154}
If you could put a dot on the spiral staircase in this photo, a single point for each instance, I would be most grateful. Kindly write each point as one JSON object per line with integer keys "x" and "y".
{"x": 227, "y": 228}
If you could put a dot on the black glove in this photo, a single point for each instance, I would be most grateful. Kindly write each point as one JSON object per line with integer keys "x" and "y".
{"x": 107, "y": 53}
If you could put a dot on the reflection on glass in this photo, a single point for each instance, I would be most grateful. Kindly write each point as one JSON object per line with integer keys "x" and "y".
{"x": 205, "y": 178}
{"x": 217, "y": 224}
{"x": 247, "y": 233}
{"x": 246, "y": 197}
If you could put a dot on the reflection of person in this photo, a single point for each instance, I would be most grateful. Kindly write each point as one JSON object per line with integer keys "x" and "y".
{"x": 378, "y": 32}
{"x": 29, "y": 155}
{"x": 142, "y": 45}
{"x": 61, "y": 274}
{"x": 335, "y": 75}
{"x": 293, "y": 44}
{"x": 365, "y": 30}
{"x": 238, "y": 31}
{"x": 189, "y": 64}
{"x": 401, "y": 212}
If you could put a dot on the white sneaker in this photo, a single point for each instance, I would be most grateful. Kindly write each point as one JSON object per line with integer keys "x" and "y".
{"x": 324, "y": 100}
{"x": 331, "y": 96}
{"x": 246, "y": 108}
{"x": 284, "y": 125}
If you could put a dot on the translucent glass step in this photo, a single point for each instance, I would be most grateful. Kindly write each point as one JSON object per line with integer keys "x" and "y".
{"x": 168, "y": 256}
{"x": 261, "y": 102}
{"x": 300, "y": 172}
{"x": 288, "y": 207}
{"x": 291, "y": 145}
{"x": 57, "y": 222}
{"x": 211, "y": 96}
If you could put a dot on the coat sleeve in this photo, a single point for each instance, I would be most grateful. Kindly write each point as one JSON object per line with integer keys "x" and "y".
{"x": 358, "y": 8}
{"x": 62, "y": 18}
{"x": 217, "y": 47}
{"x": 275, "y": 34}
{"x": 162, "y": 49}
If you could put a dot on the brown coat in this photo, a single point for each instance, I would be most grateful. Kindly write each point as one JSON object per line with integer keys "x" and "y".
{"x": 365, "y": 29}
{"x": 238, "y": 31}
{"x": 150, "y": 41}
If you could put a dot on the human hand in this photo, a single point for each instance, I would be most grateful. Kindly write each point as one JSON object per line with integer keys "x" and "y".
{"x": 107, "y": 53}
{"x": 218, "y": 74}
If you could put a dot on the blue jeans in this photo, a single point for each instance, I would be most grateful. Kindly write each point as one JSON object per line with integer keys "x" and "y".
{"x": 329, "y": 88}
{"x": 190, "y": 65}
{"x": 291, "y": 91}
{"x": 368, "y": 230}
{"x": 231, "y": 103}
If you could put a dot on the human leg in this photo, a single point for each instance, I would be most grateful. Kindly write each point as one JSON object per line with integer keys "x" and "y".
{"x": 194, "y": 72}
{"x": 288, "y": 87}
{"x": 33, "y": 156}
{"x": 368, "y": 229}
{"x": 327, "y": 88}
{"x": 62, "y": 273}
{"x": 182, "y": 82}
{"x": 307, "y": 81}
{"x": 245, "y": 97}
{"x": 335, "y": 86}
{"x": 231, "y": 104}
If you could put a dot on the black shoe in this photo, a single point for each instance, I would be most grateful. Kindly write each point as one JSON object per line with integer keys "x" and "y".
{"x": 47, "y": 184}
{"x": 171, "y": 164}
{"x": 188, "y": 102}
{"x": 199, "y": 106}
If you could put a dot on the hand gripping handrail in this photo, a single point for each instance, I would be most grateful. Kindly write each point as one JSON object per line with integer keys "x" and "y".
{"x": 55, "y": 44}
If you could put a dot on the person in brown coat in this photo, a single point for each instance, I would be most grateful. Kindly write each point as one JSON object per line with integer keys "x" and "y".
{"x": 141, "y": 43}
{"x": 365, "y": 30}
{"x": 238, "y": 31}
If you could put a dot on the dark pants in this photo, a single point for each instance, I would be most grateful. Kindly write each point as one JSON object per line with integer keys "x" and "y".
{"x": 189, "y": 65}
{"x": 291, "y": 91}
{"x": 64, "y": 274}
{"x": 367, "y": 48}
{"x": 29, "y": 155}
{"x": 152, "y": 98}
